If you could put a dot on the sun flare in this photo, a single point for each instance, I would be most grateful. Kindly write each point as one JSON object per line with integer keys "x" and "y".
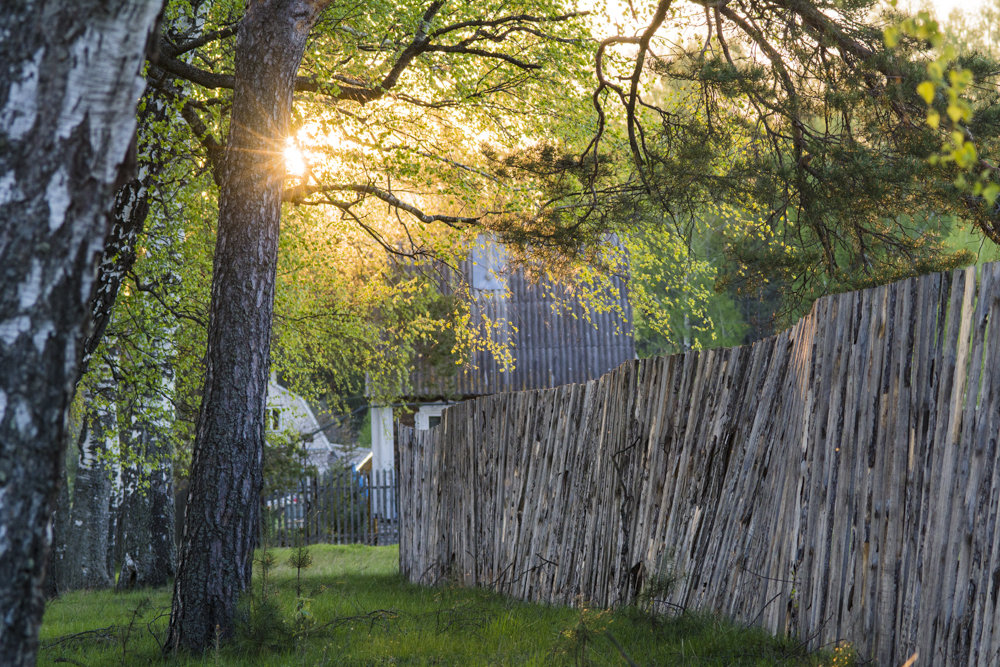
{"x": 295, "y": 161}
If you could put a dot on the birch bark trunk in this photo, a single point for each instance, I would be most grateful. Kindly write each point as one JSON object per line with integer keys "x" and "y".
{"x": 70, "y": 77}
{"x": 221, "y": 516}
{"x": 85, "y": 558}
{"x": 55, "y": 567}
{"x": 146, "y": 519}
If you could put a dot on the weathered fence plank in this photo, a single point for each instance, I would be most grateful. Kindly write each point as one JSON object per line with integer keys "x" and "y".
{"x": 839, "y": 481}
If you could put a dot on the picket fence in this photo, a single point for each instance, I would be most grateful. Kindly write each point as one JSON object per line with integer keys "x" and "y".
{"x": 337, "y": 507}
{"x": 839, "y": 481}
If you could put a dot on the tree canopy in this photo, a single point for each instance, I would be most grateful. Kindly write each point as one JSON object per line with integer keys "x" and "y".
{"x": 792, "y": 133}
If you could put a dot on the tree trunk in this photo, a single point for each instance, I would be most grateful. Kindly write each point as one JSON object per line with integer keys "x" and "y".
{"x": 134, "y": 525}
{"x": 131, "y": 206}
{"x": 146, "y": 520}
{"x": 71, "y": 80}
{"x": 55, "y": 570}
{"x": 163, "y": 546}
{"x": 221, "y": 519}
{"x": 85, "y": 559}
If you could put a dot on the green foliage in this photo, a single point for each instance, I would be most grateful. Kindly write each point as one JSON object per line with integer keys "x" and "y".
{"x": 786, "y": 137}
{"x": 347, "y": 320}
{"x": 656, "y": 591}
{"x": 575, "y": 642}
{"x": 300, "y": 559}
{"x": 265, "y": 561}
{"x": 365, "y": 432}
{"x": 675, "y": 304}
{"x": 284, "y": 460}
{"x": 965, "y": 240}
{"x": 952, "y": 97}
{"x": 261, "y": 626}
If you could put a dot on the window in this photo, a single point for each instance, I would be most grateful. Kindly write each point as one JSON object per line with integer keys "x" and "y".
{"x": 433, "y": 421}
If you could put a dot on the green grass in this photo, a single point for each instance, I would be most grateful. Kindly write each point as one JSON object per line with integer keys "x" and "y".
{"x": 355, "y": 609}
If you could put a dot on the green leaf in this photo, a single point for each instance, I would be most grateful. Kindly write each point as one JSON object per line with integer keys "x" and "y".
{"x": 990, "y": 193}
{"x": 891, "y": 37}
{"x": 960, "y": 78}
{"x": 926, "y": 90}
{"x": 965, "y": 156}
{"x": 955, "y": 113}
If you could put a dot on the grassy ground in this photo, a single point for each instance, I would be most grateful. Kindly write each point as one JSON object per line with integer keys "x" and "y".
{"x": 352, "y": 608}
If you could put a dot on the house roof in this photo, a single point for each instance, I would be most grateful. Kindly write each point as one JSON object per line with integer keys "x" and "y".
{"x": 295, "y": 414}
{"x": 551, "y": 339}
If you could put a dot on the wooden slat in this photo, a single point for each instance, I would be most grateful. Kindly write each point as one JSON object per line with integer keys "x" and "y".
{"x": 840, "y": 481}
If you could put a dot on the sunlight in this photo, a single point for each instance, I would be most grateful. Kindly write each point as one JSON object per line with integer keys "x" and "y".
{"x": 323, "y": 148}
{"x": 625, "y": 17}
{"x": 295, "y": 162}
{"x": 942, "y": 9}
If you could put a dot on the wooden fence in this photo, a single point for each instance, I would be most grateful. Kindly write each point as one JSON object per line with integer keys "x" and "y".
{"x": 839, "y": 481}
{"x": 337, "y": 507}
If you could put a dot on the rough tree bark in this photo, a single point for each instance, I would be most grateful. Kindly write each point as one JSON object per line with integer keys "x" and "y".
{"x": 130, "y": 210}
{"x": 69, "y": 83}
{"x": 146, "y": 519}
{"x": 63, "y": 573}
{"x": 221, "y": 517}
{"x": 85, "y": 559}
{"x": 55, "y": 570}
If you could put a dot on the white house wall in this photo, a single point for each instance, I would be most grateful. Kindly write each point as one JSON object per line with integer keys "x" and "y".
{"x": 382, "y": 438}
{"x": 294, "y": 414}
{"x": 421, "y": 420}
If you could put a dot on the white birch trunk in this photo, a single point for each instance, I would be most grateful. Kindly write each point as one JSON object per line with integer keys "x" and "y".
{"x": 146, "y": 521}
{"x": 70, "y": 77}
{"x": 85, "y": 560}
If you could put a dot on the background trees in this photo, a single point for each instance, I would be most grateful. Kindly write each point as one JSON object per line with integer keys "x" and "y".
{"x": 798, "y": 138}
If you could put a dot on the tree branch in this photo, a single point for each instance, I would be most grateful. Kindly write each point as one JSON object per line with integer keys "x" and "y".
{"x": 415, "y": 48}
{"x": 519, "y": 18}
{"x": 640, "y": 58}
{"x": 298, "y": 195}
{"x": 172, "y": 50}
{"x": 349, "y": 89}
{"x": 483, "y": 53}
{"x": 213, "y": 147}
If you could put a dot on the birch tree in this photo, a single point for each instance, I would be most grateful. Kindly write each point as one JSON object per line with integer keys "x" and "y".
{"x": 70, "y": 84}
{"x": 85, "y": 557}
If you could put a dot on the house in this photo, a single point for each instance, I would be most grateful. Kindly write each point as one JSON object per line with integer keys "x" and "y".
{"x": 289, "y": 412}
{"x": 552, "y": 344}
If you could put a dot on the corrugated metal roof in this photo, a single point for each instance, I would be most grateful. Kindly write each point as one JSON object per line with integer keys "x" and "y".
{"x": 550, "y": 336}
